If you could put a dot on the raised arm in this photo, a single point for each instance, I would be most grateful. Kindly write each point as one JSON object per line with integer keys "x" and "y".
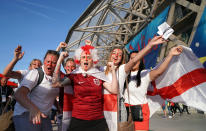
{"x": 8, "y": 70}
{"x": 112, "y": 87}
{"x": 56, "y": 81}
{"x": 61, "y": 45}
{"x": 157, "y": 72}
{"x": 155, "y": 41}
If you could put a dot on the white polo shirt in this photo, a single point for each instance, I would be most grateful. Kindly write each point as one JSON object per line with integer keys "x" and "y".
{"x": 42, "y": 96}
{"x": 137, "y": 95}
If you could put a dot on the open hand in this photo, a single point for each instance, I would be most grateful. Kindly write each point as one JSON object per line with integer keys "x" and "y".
{"x": 35, "y": 116}
{"x": 17, "y": 53}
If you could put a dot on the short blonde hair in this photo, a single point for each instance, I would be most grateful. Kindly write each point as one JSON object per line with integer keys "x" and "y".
{"x": 35, "y": 60}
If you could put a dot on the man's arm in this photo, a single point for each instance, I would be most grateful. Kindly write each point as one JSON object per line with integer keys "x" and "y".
{"x": 21, "y": 95}
{"x": 8, "y": 70}
{"x": 56, "y": 82}
{"x": 35, "y": 114}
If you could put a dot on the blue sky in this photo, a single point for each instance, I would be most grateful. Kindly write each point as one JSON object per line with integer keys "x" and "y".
{"x": 37, "y": 25}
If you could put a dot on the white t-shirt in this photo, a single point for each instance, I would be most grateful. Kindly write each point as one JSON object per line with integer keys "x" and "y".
{"x": 23, "y": 73}
{"x": 42, "y": 96}
{"x": 121, "y": 76}
{"x": 137, "y": 95}
{"x": 111, "y": 117}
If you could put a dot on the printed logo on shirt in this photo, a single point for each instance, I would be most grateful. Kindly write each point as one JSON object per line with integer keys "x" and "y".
{"x": 96, "y": 82}
{"x": 81, "y": 82}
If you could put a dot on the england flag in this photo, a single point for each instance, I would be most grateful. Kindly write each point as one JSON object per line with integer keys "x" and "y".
{"x": 184, "y": 81}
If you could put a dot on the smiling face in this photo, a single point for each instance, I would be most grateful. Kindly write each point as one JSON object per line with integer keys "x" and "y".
{"x": 35, "y": 64}
{"x": 86, "y": 61}
{"x": 116, "y": 56}
{"x": 50, "y": 62}
{"x": 69, "y": 66}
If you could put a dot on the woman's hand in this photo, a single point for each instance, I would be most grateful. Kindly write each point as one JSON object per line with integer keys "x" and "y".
{"x": 176, "y": 50}
{"x": 112, "y": 66}
{"x": 157, "y": 40}
{"x": 63, "y": 55}
{"x": 62, "y": 45}
{"x": 112, "y": 87}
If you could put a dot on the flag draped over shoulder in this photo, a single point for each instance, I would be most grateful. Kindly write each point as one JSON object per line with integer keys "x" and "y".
{"x": 184, "y": 81}
{"x": 67, "y": 107}
{"x": 67, "y": 97}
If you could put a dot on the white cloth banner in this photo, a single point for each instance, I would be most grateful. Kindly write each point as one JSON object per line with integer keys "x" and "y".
{"x": 184, "y": 81}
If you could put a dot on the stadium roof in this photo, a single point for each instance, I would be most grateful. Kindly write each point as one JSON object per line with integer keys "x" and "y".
{"x": 113, "y": 23}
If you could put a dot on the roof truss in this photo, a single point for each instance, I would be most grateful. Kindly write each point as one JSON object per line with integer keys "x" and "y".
{"x": 113, "y": 23}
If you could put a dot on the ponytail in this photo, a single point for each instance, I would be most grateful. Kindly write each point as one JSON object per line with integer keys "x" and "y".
{"x": 138, "y": 76}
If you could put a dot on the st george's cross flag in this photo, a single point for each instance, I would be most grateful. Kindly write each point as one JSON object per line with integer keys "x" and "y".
{"x": 184, "y": 81}
{"x": 66, "y": 96}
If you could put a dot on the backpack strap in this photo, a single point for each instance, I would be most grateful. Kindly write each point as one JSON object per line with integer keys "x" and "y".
{"x": 41, "y": 77}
